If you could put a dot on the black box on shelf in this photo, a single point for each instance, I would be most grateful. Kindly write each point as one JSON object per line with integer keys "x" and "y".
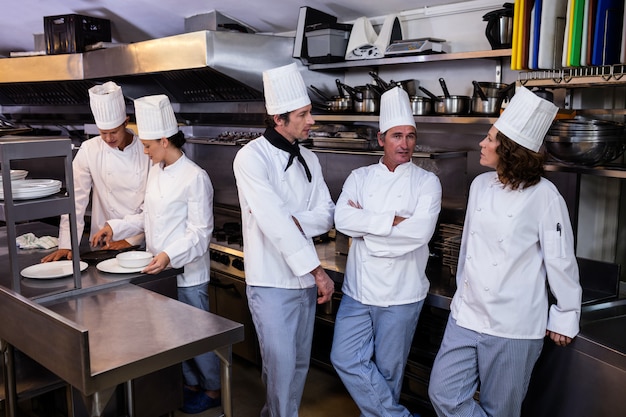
{"x": 66, "y": 34}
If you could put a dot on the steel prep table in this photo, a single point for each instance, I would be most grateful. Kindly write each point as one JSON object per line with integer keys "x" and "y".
{"x": 129, "y": 331}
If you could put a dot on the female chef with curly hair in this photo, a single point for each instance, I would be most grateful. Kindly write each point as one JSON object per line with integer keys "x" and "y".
{"x": 517, "y": 243}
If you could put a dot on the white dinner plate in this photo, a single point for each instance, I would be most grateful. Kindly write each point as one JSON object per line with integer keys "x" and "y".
{"x": 50, "y": 270}
{"x": 113, "y": 267}
{"x": 16, "y": 174}
{"x": 35, "y": 188}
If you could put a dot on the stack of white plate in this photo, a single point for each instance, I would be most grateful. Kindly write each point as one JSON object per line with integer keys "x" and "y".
{"x": 29, "y": 189}
{"x": 16, "y": 174}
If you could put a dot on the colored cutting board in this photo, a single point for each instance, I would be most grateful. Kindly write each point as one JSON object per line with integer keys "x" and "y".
{"x": 528, "y": 6}
{"x": 516, "y": 36}
{"x": 536, "y": 35}
{"x": 576, "y": 33}
{"x": 552, "y": 31}
{"x": 606, "y": 40}
{"x": 587, "y": 38}
{"x": 567, "y": 36}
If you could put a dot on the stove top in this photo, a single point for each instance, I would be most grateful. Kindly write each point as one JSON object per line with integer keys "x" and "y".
{"x": 226, "y": 247}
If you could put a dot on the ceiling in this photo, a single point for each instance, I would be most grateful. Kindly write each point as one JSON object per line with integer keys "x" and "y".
{"x": 138, "y": 20}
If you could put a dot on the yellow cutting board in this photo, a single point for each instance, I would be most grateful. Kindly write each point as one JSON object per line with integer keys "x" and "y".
{"x": 516, "y": 56}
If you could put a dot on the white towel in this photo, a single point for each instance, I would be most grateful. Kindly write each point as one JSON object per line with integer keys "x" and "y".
{"x": 30, "y": 241}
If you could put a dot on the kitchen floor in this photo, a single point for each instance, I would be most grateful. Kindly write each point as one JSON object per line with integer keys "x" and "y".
{"x": 324, "y": 394}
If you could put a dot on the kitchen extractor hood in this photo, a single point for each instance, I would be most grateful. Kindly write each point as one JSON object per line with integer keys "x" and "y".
{"x": 201, "y": 72}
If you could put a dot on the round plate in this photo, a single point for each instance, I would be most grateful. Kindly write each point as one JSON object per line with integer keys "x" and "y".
{"x": 113, "y": 267}
{"x": 50, "y": 270}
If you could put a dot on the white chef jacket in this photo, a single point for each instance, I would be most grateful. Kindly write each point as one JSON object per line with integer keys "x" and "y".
{"x": 177, "y": 217}
{"x": 277, "y": 254}
{"x": 118, "y": 182}
{"x": 386, "y": 264}
{"x": 511, "y": 241}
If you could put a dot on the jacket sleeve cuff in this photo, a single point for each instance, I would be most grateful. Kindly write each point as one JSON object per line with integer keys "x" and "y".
{"x": 304, "y": 260}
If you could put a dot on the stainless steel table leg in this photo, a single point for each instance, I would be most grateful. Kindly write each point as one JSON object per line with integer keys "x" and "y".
{"x": 8, "y": 373}
{"x": 225, "y": 355}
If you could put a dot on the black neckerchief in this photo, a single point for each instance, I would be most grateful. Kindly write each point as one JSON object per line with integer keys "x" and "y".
{"x": 293, "y": 149}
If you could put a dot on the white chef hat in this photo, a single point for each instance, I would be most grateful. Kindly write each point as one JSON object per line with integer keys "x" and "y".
{"x": 284, "y": 89}
{"x": 155, "y": 117}
{"x": 107, "y": 105}
{"x": 395, "y": 110}
{"x": 526, "y": 119}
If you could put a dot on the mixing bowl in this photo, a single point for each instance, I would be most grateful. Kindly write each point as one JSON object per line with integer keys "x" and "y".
{"x": 134, "y": 259}
{"x": 585, "y": 141}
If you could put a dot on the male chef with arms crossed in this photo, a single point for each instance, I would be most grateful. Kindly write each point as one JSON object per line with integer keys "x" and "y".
{"x": 284, "y": 204}
{"x": 390, "y": 210}
{"x": 111, "y": 165}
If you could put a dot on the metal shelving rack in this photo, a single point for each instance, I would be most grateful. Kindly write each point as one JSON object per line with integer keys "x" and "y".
{"x": 15, "y": 211}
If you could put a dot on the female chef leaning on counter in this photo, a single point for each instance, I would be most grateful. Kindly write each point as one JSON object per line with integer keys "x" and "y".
{"x": 177, "y": 216}
{"x": 517, "y": 234}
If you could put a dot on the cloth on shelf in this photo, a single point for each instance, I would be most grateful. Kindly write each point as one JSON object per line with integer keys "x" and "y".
{"x": 30, "y": 241}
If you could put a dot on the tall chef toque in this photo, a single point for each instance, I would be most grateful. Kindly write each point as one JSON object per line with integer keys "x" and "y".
{"x": 526, "y": 119}
{"x": 107, "y": 105}
{"x": 155, "y": 117}
{"x": 395, "y": 110}
{"x": 284, "y": 89}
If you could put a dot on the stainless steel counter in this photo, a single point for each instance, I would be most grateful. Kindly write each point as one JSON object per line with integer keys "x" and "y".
{"x": 46, "y": 290}
{"x": 130, "y": 331}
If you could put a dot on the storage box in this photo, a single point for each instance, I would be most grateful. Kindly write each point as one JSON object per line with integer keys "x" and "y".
{"x": 327, "y": 42}
{"x": 66, "y": 34}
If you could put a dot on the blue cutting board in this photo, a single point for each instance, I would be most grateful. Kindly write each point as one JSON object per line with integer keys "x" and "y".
{"x": 607, "y": 39}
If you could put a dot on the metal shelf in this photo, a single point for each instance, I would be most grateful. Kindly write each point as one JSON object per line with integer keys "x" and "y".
{"x": 418, "y": 119}
{"x": 412, "y": 59}
{"x": 14, "y": 211}
{"x": 37, "y": 208}
{"x": 609, "y": 171}
{"x": 599, "y": 76}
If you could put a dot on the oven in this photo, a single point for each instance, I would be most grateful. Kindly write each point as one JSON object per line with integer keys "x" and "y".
{"x": 227, "y": 288}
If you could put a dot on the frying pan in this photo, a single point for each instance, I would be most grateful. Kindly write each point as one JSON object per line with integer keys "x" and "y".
{"x": 97, "y": 256}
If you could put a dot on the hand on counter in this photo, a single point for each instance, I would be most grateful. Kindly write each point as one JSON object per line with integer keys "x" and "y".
{"x": 57, "y": 255}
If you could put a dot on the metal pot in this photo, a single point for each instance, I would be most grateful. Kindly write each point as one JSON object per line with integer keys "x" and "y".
{"x": 365, "y": 98}
{"x": 450, "y": 105}
{"x": 421, "y": 105}
{"x": 488, "y": 97}
{"x": 335, "y": 103}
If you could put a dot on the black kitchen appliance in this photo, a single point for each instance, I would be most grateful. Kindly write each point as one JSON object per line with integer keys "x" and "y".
{"x": 499, "y": 30}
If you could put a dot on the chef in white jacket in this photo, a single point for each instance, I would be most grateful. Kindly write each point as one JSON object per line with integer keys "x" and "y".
{"x": 112, "y": 167}
{"x": 177, "y": 217}
{"x": 517, "y": 243}
{"x": 284, "y": 204}
{"x": 390, "y": 209}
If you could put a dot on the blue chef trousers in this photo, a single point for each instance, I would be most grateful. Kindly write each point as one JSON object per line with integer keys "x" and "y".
{"x": 284, "y": 320}
{"x": 370, "y": 349}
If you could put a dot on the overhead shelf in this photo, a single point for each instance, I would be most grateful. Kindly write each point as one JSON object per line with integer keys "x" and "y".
{"x": 412, "y": 59}
{"x": 418, "y": 119}
{"x": 615, "y": 171}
